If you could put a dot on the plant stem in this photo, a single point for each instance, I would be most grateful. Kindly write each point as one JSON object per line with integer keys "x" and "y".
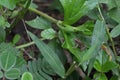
{"x": 113, "y": 46}
{"x": 71, "y": 69}
{"x": 43, "y": 15}
{"x": 27, "y": 44}
{"x": 107, "y": 31}
{"x": 101, "y": 13}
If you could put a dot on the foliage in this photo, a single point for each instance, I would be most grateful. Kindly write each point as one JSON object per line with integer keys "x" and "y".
{"x": 27, "y": 76}
{"x": 8, "y": 59}
{"x": 65, "y": 49}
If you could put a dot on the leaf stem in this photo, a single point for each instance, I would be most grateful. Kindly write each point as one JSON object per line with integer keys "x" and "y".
{"x": 71, "y": 69}
{"x": 27, "y": 44}
{"x": 107, "y": 31}
{"x": 43, "y": 15}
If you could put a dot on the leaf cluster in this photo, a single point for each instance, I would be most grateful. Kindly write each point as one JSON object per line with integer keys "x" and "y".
{"x": 86, "y": 51}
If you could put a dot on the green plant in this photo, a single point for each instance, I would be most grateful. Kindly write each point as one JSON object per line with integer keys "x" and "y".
{"x": 27, "y": 76}
{"x": 8, "y": 59}
{"x": 88, "y": 48}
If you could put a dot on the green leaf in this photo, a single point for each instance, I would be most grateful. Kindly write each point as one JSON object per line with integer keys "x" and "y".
{"x": 109, "y": 65}
{"x": 13, "y": 73}
{"x": 7, "y": 60}
{"x": 111, "y": 4}
{"x": 55, "y": 45}
{"x": 1, "y": 74}
{"x": 2, "y": 35}
{"x": 3, "y": 22}
{"x": 45, "y": 67}
{"x": 115, "y": 14}
{"x": 93, "y": 14}
{"x": 37, "y": 65}
{"x": 114, "y": 77}
{"x": 115, "y": 31}
{"x": 97, "y": 39}
{"x": 19, "y": 62}
{"x": 103, "y": 1}
{"x": 10, "y": 4}
{"x": 99, "y": 33}
{"x": 8, "y": 48}
{"x": 90, "y": 66}
{"x": 72, "y": 10}
{"x": 39, "y": 23}
{"x": 75, "y": 9}
{"x": 27, "y": 76}
{"x": 33, "y": 5}
{"x": 98, "y": 66}
{"x": 89, "y": 54}
{"x": 100, "y": 76}
{"x": 49, "y": 55}
{"x": 69, "y": 44}
{"x": 104, "y": 67}
{"x": 118, "y": 58}
{"x": 16, "y": 38}
{"x": 118, "y": 3}
{"x": 33, "y": 69}
{"x": 86, "y": 28}
{"x": 14, "y": 14}
{"x": 48, "y": 33}
{"x": 56, "y": 5}
{"x": 101, "y": 58}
